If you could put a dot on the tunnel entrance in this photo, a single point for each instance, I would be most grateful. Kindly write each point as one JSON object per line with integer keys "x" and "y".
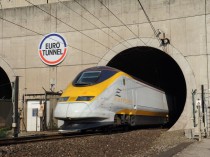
{"x": 5, "y": 100}
{"x": 157, "y": 68}
{"x": 5, "y": 86}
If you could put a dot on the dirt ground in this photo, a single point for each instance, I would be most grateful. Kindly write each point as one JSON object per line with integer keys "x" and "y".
{"x": 135, "y": 143}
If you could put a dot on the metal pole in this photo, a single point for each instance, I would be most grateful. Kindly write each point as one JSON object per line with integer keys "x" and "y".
{"x": 193, "y": 103}
{"x": 15, "y": 123}
{"x": 41, "y": 117}
{"x": 36, "y": 119}
{"x": 199, "y": 123}
{"x": 202, "y": 103}
{"x": 45, "y": 111}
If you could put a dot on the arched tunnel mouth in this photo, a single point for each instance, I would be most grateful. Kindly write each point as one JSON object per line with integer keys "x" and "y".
{"x": 5, "y": 86}
{"x": 158, "y": 69}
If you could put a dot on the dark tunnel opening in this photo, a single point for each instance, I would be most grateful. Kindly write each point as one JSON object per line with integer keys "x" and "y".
{"x": 5, "y": 85}
{"x": 159, "y": 70}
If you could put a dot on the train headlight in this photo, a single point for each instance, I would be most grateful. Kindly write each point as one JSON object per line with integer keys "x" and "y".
{"x": 84, "y": 98}
{"x": 63, "y": 99}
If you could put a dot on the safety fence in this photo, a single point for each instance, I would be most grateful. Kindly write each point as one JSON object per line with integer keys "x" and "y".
{"x": 5, "y": 113}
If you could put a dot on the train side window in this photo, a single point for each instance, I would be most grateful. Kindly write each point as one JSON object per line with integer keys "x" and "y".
{"x": 124, "y": 81}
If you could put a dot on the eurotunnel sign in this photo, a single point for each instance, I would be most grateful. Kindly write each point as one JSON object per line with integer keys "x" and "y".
{"x": 52, "y": 49}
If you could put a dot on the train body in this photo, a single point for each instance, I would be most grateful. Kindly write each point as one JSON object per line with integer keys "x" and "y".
{"x": 101, "y": 96}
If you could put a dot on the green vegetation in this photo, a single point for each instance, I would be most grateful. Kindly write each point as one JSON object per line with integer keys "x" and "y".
{"x": 3, "y": 132}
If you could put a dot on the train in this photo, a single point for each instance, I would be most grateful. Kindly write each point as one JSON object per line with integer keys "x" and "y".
{"x": 104, "y": 96}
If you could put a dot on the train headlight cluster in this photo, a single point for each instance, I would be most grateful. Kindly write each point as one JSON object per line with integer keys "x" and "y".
{"x": 84, "y": 98}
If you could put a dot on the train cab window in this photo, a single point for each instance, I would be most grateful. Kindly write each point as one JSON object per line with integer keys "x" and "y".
{"x": 89, "y": 77}
{"x": 93, "y": 76}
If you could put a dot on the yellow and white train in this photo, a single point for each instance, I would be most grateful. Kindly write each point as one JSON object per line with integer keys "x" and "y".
{"x": 102, "y": 96}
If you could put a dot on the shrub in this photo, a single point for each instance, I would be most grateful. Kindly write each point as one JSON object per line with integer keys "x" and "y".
{"x": 3, "y": 132}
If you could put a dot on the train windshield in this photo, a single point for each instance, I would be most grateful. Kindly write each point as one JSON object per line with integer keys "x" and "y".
{"x": 88, "y": 78}
{"x": 93, "y": 76}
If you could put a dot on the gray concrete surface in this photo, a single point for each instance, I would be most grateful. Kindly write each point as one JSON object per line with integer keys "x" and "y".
{"x": 197, "y": 149}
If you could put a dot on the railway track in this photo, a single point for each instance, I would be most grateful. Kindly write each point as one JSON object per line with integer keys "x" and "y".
{"x": 58, "y": 136}
{"x": 43, "y": 137}
{"x": 118, "y": 143}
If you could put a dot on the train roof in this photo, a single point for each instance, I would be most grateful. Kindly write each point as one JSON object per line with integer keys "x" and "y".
{"x": 102, "y": 68}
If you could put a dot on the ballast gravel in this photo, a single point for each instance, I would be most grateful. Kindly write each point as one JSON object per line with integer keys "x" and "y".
{"x": 135, "y": 143}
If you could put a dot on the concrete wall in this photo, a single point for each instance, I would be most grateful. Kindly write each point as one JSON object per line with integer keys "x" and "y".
{"x": 98, "y": 32}
{"x": 5, "y": 4}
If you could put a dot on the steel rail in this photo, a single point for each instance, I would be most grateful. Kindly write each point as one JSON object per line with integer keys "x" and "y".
{"x": 43, "y": 137}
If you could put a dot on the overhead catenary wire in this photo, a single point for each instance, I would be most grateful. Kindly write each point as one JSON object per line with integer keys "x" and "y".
{"x": 153, "y": 28}
{"x": 150, "y": 23}
{"x": 122, "y": 22}
{"x": 2, "y": 40}
{"x": 43, "y": 35}
{"x": 69, "y": 25}
{"x": 101, "y": 21}
{"x": 155, "y": 32}
{"x": 94, "y": 24}
{"x": 50, "y": 38}
{"x": 107, "y": 25}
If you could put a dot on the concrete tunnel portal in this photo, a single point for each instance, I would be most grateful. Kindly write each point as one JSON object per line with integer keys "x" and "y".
{"x": 5, "y": 85}
{"x": 158, "y": 69}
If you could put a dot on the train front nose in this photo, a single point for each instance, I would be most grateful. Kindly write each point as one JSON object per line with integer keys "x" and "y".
{"x": 71, "y": 110}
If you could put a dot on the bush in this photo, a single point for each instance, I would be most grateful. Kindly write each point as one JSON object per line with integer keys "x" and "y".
{"x": 3, "y": 132}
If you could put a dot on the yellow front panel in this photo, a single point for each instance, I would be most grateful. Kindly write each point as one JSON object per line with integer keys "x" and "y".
{"x": 94, "y": 90}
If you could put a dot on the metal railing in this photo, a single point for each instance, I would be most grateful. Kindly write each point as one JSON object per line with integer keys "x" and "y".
{"x": 200, "y": 114}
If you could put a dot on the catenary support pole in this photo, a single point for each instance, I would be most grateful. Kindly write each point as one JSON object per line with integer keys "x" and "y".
{"x": 15, "y": 123}
{"x": 202, "y": 103}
